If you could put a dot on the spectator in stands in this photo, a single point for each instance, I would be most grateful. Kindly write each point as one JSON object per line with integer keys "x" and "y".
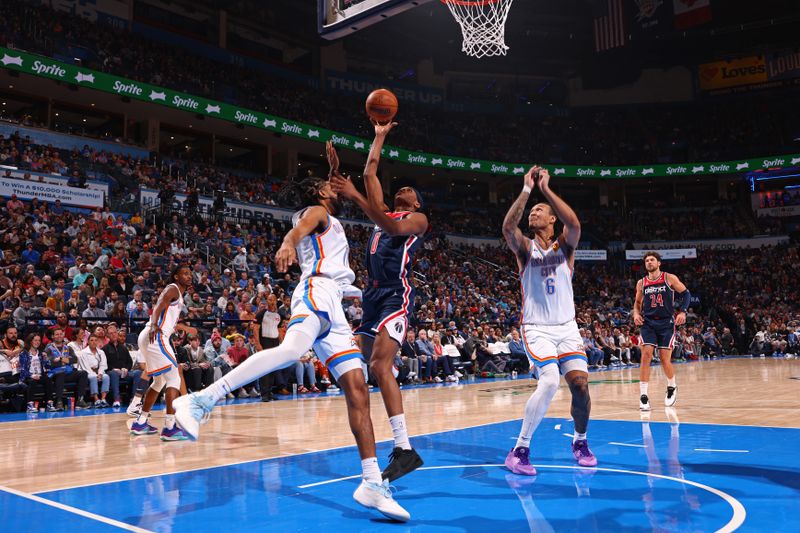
{"x": 93, "y": 311}
{"x": 197, "y": 369}
{"x": 63, "y": 370}
{"x": 727, "y": 343}
{"x": 408, "y": 356}
{"x": 133, "y": 305}
{"x": 22, "y": 313}
{"x": 519, "y": 358}
{"x": 236, "y": 355}
{"x": 593, "y": 353}
{"x": 34, "y": 370}
{"x": 120, "y": 364}
{"x": 711, "y": 343}
{"x": 305, "y": 365}
{"x": 441, "y": 361}
{"x": 93, "y": 361}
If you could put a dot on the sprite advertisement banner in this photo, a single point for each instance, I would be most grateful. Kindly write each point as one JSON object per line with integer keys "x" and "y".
{"x": 82, "y": 77}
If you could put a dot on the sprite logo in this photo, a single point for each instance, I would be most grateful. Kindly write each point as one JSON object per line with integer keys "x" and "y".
{"x": 586, "y": 172}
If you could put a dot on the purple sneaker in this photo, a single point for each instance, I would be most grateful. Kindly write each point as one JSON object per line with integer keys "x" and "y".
{"x": 175, "y": 433}
{"x": 142, "y": 429}
{"x": 517, "y": 461}
{"x": 583, "y": 454}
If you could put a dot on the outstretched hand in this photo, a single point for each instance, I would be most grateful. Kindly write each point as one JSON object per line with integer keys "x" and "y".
{"x": 382, "y": 129}
{"x": 286, "y": 257}
{"x": 543, "y": 179}
{"x": 343, "y": 186}
{"x": 333, "y": 158}
{"x": 529, "y": 180}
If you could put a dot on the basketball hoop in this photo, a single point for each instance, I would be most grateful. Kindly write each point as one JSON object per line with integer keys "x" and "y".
{"x": 483, "y": 25}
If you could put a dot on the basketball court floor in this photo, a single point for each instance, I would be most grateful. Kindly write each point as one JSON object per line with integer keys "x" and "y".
{"x": 724, "y": 459}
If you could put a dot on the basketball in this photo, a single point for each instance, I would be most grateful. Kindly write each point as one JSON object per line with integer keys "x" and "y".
{"x": 381, "y": 105}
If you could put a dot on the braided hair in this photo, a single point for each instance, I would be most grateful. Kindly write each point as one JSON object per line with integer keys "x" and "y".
{"x": 301, "y": 193}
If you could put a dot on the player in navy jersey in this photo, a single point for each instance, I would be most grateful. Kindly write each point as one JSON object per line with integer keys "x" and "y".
{"x": 658, "y": 294}
{"x": 389, "y": 295}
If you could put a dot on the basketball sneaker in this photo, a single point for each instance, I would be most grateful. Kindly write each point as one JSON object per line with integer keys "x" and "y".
{"x": 671, "y": 397}
{"x": 379, "y": 496}
{"x": 581, "y": 451}
{"x": 142, "y": 429}
{"x": 401, "y": 462}
{"x": 518, "y": 461}
{"x": 175, "y": 433}
{"x": 135, "y": 407}
{"x": 191, "y": 411}
{"x": 644, "y": 402}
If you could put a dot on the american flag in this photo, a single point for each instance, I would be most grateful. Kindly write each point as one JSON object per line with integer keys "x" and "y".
{"x": 609, "y": 29}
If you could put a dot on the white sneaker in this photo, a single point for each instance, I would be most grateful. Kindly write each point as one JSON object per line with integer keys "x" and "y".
{"x": 459, "y": 375}
{"x": 437, "y": 379}
{"x": 191, "y": 411}
{"x": 644, "y": 403}
{"x": 135, "y": 407}
{"x": 450, "y": 379}
{"x": 671, "y": 396}
{"x": 379, "y": 496}
{"x": 332, "y": 388}
{"x": 412, "y": 375}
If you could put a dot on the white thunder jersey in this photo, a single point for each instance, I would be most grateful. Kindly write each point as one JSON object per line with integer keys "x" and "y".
{"x": 546, "y": 280}
{"x": 169, "y": 317}
{"x": 325, "y": 254}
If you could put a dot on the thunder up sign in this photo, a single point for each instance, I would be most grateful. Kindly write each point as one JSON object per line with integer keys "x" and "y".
{"x": 48, "y": 68}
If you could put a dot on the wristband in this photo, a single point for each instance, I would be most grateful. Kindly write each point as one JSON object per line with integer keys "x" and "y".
{"x": 526, "y": 189}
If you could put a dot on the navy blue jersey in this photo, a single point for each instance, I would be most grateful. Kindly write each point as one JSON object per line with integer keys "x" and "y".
{"x": 389, "y": 258}
{"x": 658, "y": 298}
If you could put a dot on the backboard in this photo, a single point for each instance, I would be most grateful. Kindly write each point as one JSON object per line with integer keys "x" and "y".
{"x": 337, "y": 18}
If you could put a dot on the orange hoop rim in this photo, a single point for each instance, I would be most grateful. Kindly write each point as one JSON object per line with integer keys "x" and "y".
{"x": 469, "y": 2}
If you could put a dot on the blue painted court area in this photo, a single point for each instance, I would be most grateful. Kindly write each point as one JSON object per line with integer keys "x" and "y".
{"x": 654, "y": 476}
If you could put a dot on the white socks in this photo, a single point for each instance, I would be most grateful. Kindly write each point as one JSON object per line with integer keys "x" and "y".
{"x": 169, "y": 421}
{"x": 671, "y": 382}
{"x": 370, "y": 470}
{"x": 578, "y": 436}
{"x": 537, "y": 404}
{"x": 643, "y": 387}
{"x": 400, "y": 431}
{"x": 294, "y": 345}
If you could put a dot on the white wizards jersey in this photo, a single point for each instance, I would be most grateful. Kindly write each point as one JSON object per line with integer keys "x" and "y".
{"x": 546, "y": 281}
{"x": 169, "y": 316}
{"x": 325, "y": 254}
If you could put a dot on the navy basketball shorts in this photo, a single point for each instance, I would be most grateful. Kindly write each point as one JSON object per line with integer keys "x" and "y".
{"x": 658, "y": 333}
{"x": 386, "y": 308}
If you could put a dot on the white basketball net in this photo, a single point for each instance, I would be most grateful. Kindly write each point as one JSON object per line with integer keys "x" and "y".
{"x": 483, "y": 25}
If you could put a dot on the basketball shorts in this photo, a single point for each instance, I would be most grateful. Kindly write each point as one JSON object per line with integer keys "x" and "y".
{"x": 387, "y": 308}
{"x": 658, "y": 333}
{"x": 335, "y": 344}
{"x": 159, "y": 356}
{"x": 560, "y": 345}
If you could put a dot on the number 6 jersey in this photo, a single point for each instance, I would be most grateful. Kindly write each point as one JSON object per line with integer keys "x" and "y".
{"x": 546, "y": 281}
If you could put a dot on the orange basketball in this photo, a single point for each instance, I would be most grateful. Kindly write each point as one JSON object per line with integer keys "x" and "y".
{"x": 382, "y": 105}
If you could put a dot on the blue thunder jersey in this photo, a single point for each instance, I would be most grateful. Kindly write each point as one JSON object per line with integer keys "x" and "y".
{"x": 659, "y": 298}
{"x": 389, "y": 258}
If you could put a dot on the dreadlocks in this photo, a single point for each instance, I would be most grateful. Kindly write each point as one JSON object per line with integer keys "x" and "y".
{"x": 301, "y": 193}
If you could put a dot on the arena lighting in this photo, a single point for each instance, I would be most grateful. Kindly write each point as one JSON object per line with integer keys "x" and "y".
{"x": 767, "y": 178}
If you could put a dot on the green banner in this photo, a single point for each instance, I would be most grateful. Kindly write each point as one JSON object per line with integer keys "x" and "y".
{"x": 56, "y": 70}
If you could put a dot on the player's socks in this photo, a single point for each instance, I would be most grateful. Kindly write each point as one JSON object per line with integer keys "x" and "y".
{"x": 643, "y": 387}
{"x": 400, "y": 431}
{"x": 370, "y": 470}
{"x": 262, "y": 363}
{"x": 671, "y": 382}
{"x": 537, "y": 404}
{"x": 169, "y": 421}
{"x": 142, "y": 419}
{"x": 578, "y": 436}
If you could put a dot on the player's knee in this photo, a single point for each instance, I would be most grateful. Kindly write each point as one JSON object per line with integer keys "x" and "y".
{"x": 548, "y": 382}
{"x": 579, "y": 386}
{"x": 172, "y": 380}
{"x": 158, "y": 383}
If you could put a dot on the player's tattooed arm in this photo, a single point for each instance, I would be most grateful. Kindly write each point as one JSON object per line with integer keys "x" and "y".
{"x": 519, "y": 243}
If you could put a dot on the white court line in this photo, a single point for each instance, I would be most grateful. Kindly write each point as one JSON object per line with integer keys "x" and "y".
{"x": 739, "y": 512}
{"x": 626, "y": 444}
{"x": 74, "y": 510}
{"x": 723, "y": 451}
{"x": 570, "y": 435}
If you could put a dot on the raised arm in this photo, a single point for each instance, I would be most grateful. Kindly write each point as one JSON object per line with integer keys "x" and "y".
{"x": 637, "y": 305}
{"x": 519, "y": 243}
{"x": 373, "y": 205}
{"x": 312, "y": 219}
{"x": 572, "y": 226}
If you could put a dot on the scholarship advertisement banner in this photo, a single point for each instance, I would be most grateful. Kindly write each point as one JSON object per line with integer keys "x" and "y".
{"x": 677, "y": 253}
{"x": 72, "y": 74}
{"x": 591, "y": 255}
{"x": 50, "y": 192}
